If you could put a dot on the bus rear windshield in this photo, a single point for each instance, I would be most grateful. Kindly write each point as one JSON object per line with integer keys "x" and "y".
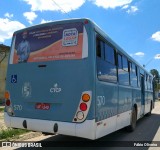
{"x": 48, "y": 43}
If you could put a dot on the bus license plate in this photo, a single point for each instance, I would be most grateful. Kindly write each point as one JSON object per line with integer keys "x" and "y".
{"x": 43, "y": 106}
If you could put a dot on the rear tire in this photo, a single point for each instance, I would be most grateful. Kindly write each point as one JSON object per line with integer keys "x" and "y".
{"x": 132, "y": 126}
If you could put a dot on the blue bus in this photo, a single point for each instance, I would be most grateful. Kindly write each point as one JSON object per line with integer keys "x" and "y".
{"x": 69, "y": 77}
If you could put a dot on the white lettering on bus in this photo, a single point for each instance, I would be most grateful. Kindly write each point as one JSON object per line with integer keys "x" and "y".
{"x": 18, "y": 107}
{"x": 101, "y": 100}
{"x": 55, "y": 89}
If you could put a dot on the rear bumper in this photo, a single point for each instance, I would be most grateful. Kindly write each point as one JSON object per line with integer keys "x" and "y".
{"x": 86, "y": 129}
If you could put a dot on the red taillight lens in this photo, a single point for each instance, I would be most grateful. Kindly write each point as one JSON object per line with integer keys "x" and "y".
{"x": 83, "y": 106}
{"x": 8, "y": 102}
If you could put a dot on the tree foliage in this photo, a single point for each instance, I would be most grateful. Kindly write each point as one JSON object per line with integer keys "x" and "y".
{"x": 156, "y": 78}
{"x": 155, "y": 73}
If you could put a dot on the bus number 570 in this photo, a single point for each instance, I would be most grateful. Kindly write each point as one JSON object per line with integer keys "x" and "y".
{"x": 18, "y": 107}
{"x": 101, "y": 100}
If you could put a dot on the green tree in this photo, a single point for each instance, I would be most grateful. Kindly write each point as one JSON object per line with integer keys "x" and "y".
{"x": 155, "y": 73}
{"x": 156, "y": 76}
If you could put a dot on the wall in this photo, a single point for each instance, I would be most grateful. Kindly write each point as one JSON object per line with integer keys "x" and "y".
{"x": 4, "y": 51}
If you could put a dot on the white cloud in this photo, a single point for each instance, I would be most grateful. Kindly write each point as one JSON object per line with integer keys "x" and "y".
{"x": 111, "y": 3}
{"x": 45, "y": 21}
{"x": 140, "y": 54}
{"x": 54, "y": 5}
{"x": 131, "y": 55}
{"x": 7, "y": 27}
{"x": 156, "y": 36}
{"x": 8, "y": 15}
{"x": 30, "y": 16}
{"x": 125, "y": 6}
{"x": 132, "y": 9}
{"x": 157, "y": 56}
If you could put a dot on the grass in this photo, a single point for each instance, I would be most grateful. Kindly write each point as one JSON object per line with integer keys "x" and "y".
{"x": 11, "y": 133}
{"x": 1, "y": 109}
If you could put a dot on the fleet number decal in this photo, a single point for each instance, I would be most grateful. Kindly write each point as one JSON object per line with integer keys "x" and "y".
{"x": 18, "y": 107}
{"x": 101, "y": 100}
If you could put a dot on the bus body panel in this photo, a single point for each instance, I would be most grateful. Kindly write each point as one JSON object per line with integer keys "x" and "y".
{"x": 111, "y": 80}
{"x": 136, "y": 94}
{"x": 57, "y": 84}
{"x": 42, "y": 83}
{"x": 106, "y": 108}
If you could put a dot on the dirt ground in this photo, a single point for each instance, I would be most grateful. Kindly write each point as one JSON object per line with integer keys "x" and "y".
{"x": 2, "y": 124}
{"x": 22, "y": 137}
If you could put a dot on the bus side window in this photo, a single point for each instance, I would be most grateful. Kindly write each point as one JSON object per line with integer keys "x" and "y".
{"x": 100, "y": 48}
{"x": 119, "y": 61}
{"x": 138, "y": 77}
{"x": 129, "y": 70}
{"x": 106, "y": 68}
{"x": 109, "y": 54}
{"x": 123, "y": 74}
{"x": 125, "y": 63}
{"x": 146, "y": 82}
{"x": 151, "y": 85}
{"x": 149, "y": 82}
{"x": 134, "y": 76}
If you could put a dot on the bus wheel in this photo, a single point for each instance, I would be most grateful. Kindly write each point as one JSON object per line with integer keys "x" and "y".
{"x": 132, "y": 126}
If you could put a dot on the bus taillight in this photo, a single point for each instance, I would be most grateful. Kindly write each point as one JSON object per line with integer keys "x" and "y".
{"x": 8, "y": 105}
{"x": 6, "y": 95}
{"x": 85, "y": 97}
{"x": 83, "y": 106}
{"x": 7, "y": 98}
{"x": 80, "y": 115}
{"x": 8, "y": 102}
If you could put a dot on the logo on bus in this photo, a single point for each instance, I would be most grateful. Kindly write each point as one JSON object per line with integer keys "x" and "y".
{"x": 55, "y": 89}
{"x": 13, "y": 78}
{"x": 70, "y": 37}
{"x": 26, "y": 89}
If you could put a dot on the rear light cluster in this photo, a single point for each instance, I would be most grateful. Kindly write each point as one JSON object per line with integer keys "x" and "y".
{"x": 83, "y": 107}
{"x": 9, "y": 108}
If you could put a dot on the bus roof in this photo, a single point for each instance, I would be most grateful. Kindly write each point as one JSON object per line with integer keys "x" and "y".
{"x": 55, "y": 22}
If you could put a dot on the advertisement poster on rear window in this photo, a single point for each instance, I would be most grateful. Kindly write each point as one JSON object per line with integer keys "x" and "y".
{"x": 48, "y": 43}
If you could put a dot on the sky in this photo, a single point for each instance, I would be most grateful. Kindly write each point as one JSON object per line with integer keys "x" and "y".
{"x": 133, "y": 24}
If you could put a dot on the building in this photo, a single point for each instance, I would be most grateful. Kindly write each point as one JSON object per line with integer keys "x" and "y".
{"x": 4, "y": 53}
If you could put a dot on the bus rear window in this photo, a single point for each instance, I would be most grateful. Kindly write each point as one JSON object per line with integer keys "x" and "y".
{"x": 48, "y": 43}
